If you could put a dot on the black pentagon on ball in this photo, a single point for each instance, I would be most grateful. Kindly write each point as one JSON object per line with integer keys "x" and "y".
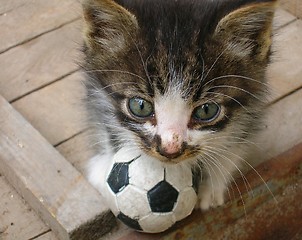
{"x": 133, "y": 223}
{"x": 118, "y": 178}
{"x": 162, "y": 197}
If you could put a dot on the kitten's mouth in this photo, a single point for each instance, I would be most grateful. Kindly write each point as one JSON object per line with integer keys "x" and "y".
{"x": 171, "y": 155}
{"x": 183, "y": 155}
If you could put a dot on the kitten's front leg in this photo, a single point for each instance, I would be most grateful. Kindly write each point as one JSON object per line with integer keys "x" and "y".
{"x": 211, "y": 193}
{"x": 217, "y": 176}
{"x": 97, "y": 168}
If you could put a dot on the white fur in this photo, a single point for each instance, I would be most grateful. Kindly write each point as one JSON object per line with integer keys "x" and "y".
{"x": 172, "y": 115}
{"x": 97, "y": 168}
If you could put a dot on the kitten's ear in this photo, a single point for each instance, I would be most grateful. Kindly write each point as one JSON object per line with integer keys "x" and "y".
{"x": 108, "y": 27}
{"x": 248, "y": 29}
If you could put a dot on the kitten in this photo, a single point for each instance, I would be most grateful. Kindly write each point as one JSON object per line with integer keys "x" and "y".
{"x": 182, "y": 80}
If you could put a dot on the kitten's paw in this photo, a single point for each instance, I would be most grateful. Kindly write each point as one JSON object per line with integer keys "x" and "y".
{"x": 209, "y": 197}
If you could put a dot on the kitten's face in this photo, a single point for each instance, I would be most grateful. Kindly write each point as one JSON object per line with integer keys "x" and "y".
{"x": 174, "y": 79}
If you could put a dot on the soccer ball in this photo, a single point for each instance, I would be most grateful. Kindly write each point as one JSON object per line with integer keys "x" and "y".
{"x": 146, "y": 194}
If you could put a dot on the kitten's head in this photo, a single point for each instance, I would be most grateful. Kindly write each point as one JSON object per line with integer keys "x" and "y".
{"x": 177, "y": 79}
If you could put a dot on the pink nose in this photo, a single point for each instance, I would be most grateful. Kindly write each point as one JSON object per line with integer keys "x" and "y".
{"x": 172, "y": 148}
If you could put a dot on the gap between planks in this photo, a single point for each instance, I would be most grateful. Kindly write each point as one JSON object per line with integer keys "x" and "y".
{"x": 44, "y": 86}
{"x": 39, "y": 35}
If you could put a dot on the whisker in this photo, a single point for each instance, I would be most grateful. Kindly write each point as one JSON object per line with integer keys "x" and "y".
{"x": 213, "y": 65}
{"x": 208, "y": 167}
{"x": 216, "y": 150}
{"x": 225, "y": 179}
{"x": 238, "y": 76}
{"x": 116, "y": 71}
{"x": 235, "y": 100}
{"x": 237, "y": 187}
{"x": 238, "y": 88}
{"x": 258, "y": 174}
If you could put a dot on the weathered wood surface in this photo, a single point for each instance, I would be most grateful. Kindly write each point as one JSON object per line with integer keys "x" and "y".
{"x": 33, "y": 18}
{"x": 77, "y": 150}
{"x": 56, "y": 110}
{"x": 17, "y": 219}
{"x": 49, "y": 183}
{"x": 286, "y": 71}
{"x": 282, "y": 129}
{"x": 39, "y": 62}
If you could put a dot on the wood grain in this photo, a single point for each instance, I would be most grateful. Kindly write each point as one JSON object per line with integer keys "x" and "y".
{"x": 51, "y": 186}
{"x": 34, "y": 18}
{"x": 39, "y": 62}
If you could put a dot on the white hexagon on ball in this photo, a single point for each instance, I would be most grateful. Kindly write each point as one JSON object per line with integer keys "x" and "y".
{"x": 146, "y": 194}
{"x": 146, "y": 172}
{"x": 133, "y": 202}
{"x": 186, "y": 202}
{"x": 180, "y": 175}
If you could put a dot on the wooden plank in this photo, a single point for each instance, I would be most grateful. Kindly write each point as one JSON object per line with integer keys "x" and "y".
{"x": 39, "y": 62}
{"x": 12, "y": 207}
{"x": 281, "y": 131}
{"x": 34, "y": 18}
{"x": 51, "y": 186}
{"x": 55, "y": 111}
{"x": 285, "y": 72}
{"x": 77, "y": 151}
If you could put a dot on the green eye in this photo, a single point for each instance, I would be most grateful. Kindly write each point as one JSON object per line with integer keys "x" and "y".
{"x": 206, "y": 112}
{"x": 140, "y": 107}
